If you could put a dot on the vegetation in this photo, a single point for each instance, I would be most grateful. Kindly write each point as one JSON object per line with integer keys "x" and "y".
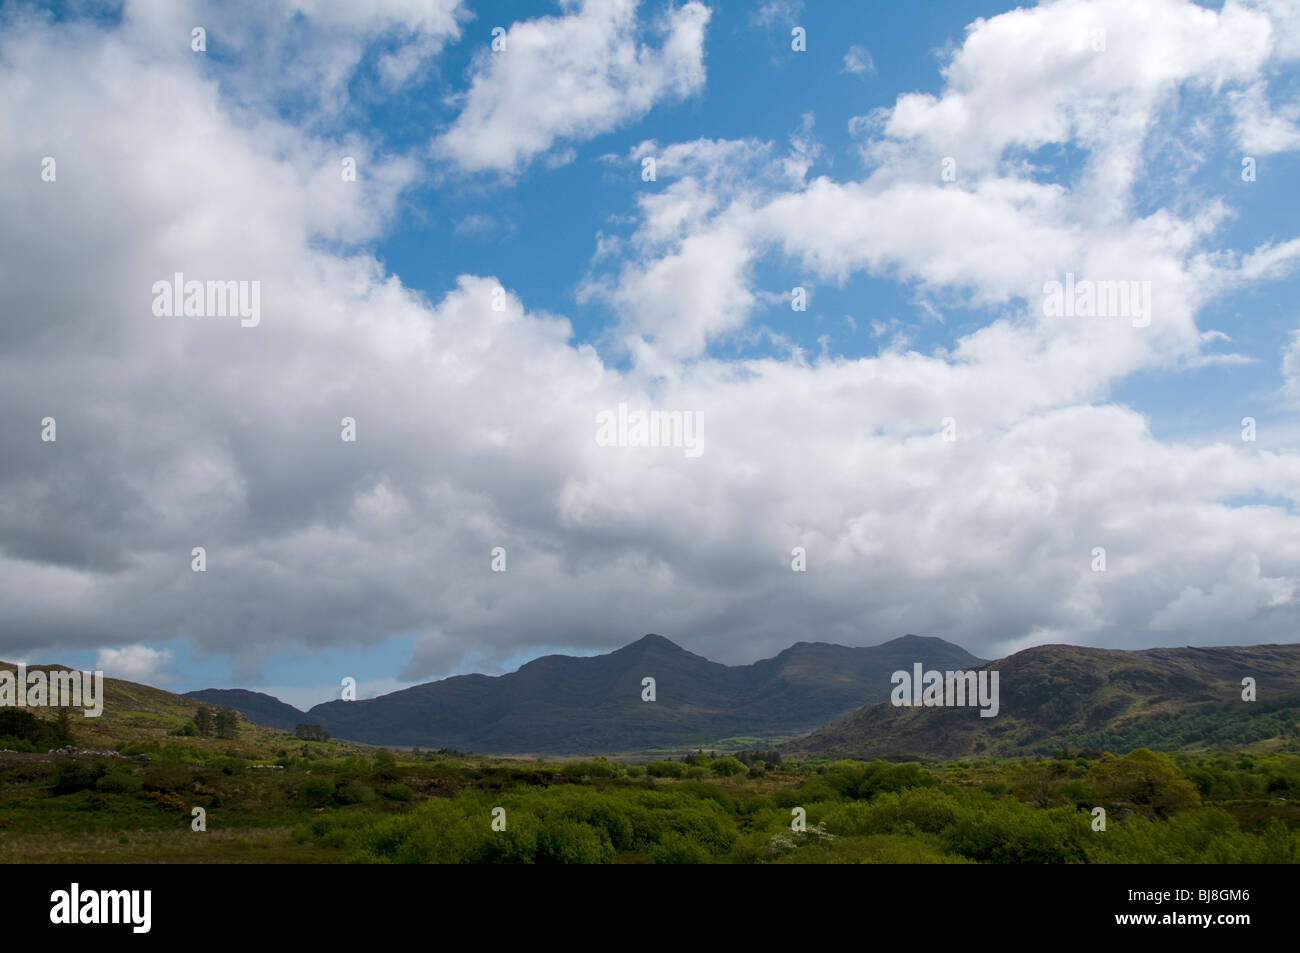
{"x": 272, "y": 797}
{"x": 20, "y": 730}
{"x": 311, "y": 733}
{"x": 370, "y": 806}
{"x": 1099, "y": 699}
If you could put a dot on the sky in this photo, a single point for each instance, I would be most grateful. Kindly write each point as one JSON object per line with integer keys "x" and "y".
{"x": 835, "y": 240}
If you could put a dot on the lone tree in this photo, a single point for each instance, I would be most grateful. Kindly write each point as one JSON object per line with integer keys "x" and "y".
{"x": 227, "y": 721}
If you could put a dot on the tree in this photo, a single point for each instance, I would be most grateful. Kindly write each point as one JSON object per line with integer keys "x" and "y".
{"x": 61, "y": 730}
{"x": 726, "y": 767}
{"x": 203, "y": 720}
{"x": 311, "y": 733}
{"x": 227, "y": 723}
{"x": 1145, "y": 781}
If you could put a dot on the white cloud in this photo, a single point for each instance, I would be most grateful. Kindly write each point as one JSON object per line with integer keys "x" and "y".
{"x": 858, "y": 61}
{"x": 1291, "y": 370}
{"x": 777, "y": 12}
{"x": 571, "y": 78}
{"x": 1232, "y": 600}
{"x": 1262, "y": 130}
{"x": 300, "y": 53}
{"x": 476, "y": 426}
{"x": 134, "y": 663}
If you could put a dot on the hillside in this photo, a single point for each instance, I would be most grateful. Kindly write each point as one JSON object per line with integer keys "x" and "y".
{"x": 563, "y": 704}
{"x": 135, "y": 713}
{"x": 1055, "y": 696}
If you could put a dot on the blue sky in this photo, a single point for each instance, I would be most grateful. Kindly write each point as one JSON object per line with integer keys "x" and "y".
{"x": 777, "y": 168}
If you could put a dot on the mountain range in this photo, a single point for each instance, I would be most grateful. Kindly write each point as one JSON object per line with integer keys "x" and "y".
{"x": 594, "y": 704}
{"x": 828, "y": 701}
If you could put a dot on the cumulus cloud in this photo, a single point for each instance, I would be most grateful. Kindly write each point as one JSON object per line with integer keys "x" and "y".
{"x": 134, "y": 663}
{"x": 571, "y": 78}
{"x": 1231, "y": 601}
{"x": 476, "y": 424}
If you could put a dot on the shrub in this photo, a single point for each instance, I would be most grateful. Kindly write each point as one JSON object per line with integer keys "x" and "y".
{"x": 726, "y": 767}
{"x": 1010, "y": 832}
{"x": 316, "y": 791}
{"x": 1143, "y": 781}
{"x": 74, "y": 776}
{"x": 675, "y": 848}
{"x": 119, "y": 782}
{"x": 354, "y": 792}
{"x": 568, "y": 842}
{"x": 927, "y": 809}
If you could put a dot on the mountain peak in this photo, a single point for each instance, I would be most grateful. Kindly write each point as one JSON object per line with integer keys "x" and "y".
{"x": 652, "y": 640}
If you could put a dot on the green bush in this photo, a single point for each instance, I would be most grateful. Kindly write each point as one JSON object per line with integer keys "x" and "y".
{"x": 354, "y": 792}
{"x": 675, "y": 848}
{"x": 119, "y": 782}
{"x": 1010, "y": 832}
{"x": 568, "y": 842}
{"x": 1144, "y": 781}
{"x": 316, "y": 792}
{"x": 73, "y": 776}
{"x": 727, "y": 767}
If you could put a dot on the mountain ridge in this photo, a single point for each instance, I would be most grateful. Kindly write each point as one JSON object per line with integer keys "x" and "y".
{"x": 581, "y": 704}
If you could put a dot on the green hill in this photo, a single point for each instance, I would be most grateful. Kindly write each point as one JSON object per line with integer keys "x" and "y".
{"x": 135, "y": 714}
{"x": 1059, "y": 696}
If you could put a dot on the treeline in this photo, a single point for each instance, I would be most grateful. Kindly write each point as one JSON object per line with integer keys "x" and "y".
{"x": 21, "y": 730}
{"x": 1202, "y": 727}
{"x": 212, "y": 723}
